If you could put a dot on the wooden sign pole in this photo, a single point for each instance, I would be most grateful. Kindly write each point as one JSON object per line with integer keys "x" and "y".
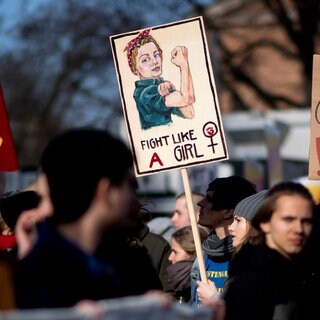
{"x": 194, "y": 224}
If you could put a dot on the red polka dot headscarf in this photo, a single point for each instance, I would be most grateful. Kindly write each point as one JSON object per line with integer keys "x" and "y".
{"x": 133, "y": 46}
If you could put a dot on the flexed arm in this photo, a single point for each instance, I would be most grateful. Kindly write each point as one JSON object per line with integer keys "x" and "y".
{"x": 184, "y": 98}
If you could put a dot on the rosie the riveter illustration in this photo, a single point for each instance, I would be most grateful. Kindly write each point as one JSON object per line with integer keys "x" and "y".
{"x": 156, "y": 98}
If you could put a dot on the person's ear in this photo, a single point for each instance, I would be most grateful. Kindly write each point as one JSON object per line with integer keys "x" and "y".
{"x": 108, "y": 193}
{"x": 265, "y": 227}
{"x": 103, "y": 189}
{"x": 228, "y": 214}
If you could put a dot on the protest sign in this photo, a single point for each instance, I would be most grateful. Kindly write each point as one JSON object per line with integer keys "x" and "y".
{"x": 170, "y": 102}
{"x": 314, "y": 149}
{"x": 169, "y": 97}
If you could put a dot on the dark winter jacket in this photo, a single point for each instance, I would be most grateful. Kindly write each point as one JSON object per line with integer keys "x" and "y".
{"x": 262, "y": 285}
{"x": 179, "y": 279}
{"x": 123, "y": 249}
{"x": 57, "y": 273}
{"x": 159, "y": 250}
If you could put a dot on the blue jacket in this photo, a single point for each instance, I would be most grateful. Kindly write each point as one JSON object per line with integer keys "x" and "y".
{"x": 217, "y": 255}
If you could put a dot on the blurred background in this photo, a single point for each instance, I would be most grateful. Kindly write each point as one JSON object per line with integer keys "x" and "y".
{"x": 57, "y": 71}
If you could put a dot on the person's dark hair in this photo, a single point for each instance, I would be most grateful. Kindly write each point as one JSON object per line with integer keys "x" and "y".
{"x": 229, "y": 191}
{"x": 75, "y": 161}
{"x": 268, "y": 205}
{"x": 184, "y": 237}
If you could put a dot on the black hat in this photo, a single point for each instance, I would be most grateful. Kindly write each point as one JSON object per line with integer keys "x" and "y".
{"x": 13, "y": 204}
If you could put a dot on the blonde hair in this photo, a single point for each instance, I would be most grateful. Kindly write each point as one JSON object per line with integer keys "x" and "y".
{"x": 184, "y": 237}
{"x": 196, "y": 197}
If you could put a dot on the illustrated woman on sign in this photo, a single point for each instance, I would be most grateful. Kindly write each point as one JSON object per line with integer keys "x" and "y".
{"x": 157, "y": 99}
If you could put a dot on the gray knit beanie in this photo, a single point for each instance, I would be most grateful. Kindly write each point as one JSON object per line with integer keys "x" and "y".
{"x": 248, "y": 207}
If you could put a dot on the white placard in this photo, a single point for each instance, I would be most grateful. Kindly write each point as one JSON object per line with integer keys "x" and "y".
{"x": 169, "y": 96}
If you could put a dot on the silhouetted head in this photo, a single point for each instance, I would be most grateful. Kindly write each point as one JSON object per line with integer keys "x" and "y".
{"x": 75, "y": 161}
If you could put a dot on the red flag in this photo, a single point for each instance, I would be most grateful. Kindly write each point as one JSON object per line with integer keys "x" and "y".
{"x": 8, "y": 157}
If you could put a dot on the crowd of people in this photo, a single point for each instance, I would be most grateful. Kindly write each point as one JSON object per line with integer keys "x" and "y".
{"x": 79, "y": 236}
